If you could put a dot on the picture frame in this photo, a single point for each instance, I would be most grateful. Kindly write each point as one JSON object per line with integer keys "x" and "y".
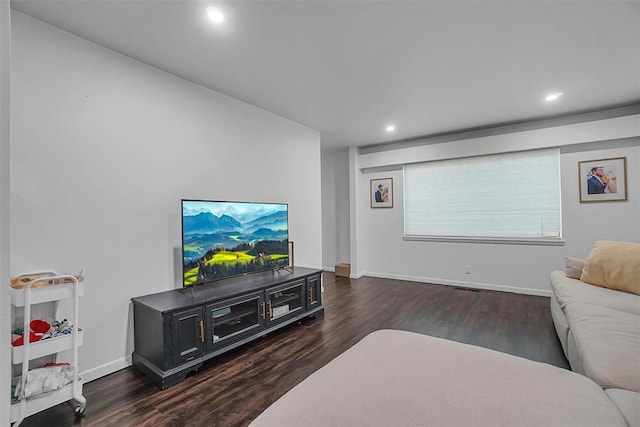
{"x": 603, "y": 180}
{"x": 381, "y": 192}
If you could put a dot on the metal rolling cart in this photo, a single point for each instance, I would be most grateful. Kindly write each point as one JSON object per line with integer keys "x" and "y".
{"x": 59, "y": 287}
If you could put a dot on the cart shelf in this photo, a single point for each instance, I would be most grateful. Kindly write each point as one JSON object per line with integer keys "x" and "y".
{"x": 44, "y": 401}
{"x": 47, "y": 346}
{"x": 46, "y": 293}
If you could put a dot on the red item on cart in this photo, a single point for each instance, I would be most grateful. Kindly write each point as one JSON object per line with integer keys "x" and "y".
{"x": 33, "y": 337}
{"x": 38, "y": 329}
{"x": 39, "y": 326}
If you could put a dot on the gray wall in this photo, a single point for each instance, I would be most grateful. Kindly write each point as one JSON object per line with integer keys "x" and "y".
{"x": 376, "y": 234}
{"x": 103, "y": 149}
{"x": 335, "y": 209}
{"x": 5, "y": 296}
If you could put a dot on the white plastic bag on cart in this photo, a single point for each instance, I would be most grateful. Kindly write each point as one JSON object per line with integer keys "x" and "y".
{"x": 44, "y": 380}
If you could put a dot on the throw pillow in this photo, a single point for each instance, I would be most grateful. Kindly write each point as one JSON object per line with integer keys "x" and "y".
{"x": 613, "y": 265}
{"x": 573, "y": 267}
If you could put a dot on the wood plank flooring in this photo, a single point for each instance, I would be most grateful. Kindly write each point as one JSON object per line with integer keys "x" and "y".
{"x": 231, "y": 390}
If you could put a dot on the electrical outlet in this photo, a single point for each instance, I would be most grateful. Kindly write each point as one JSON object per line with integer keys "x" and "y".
{"x": 468, "y": 267}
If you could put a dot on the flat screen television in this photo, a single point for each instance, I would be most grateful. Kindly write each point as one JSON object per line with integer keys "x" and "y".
{"x": 224, "y": 239}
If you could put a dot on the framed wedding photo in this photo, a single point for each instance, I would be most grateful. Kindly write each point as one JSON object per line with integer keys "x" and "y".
{"x": 381, "y": 193}
{"x": 603, "y": 180}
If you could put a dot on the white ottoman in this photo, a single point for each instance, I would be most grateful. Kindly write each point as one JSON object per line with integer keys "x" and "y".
{"x": 398, "y": 378}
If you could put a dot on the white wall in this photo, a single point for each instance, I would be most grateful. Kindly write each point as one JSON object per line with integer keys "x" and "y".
{"x": 335, "y": 209}
{"x": 5, "y": 295}
{"x": 103, "y": 149}
{"x": 383, "y": 253}
{"x": 329, "y": 214}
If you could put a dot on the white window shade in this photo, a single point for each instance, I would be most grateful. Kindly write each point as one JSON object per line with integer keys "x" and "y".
{"x": 511, "y": 196}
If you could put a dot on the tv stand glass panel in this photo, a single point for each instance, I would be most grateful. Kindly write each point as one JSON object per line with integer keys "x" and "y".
{"x": 234, "y": 318}
{"x": 285, "y": 301}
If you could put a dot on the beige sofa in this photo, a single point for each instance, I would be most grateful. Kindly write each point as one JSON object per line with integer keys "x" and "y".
{"x": 599, "y": 329}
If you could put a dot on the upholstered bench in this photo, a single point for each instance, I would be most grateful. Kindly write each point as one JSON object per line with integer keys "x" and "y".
{"x": 399, "y": 378}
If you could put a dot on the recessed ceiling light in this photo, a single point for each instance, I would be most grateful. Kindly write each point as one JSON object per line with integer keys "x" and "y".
{"x": 390, "y": 128}
{"x": 553, "y": 96}
{"x": 215, "y": 15}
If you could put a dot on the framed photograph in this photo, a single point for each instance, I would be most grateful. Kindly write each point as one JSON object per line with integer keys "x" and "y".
{"x": 381, "y": 192}
{"x": 603, "y": 180}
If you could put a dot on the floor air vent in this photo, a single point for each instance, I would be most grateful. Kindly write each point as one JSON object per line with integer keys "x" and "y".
{"x": 466, "y": 289}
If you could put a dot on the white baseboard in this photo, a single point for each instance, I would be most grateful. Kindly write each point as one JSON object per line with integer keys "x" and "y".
{"x": 458, "y": 283}
{"x": 106, "y": 369}
{"x": 331, "y": 269}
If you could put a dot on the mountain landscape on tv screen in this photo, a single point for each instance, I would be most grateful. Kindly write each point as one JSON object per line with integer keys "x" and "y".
{"x": 236, "y": 242}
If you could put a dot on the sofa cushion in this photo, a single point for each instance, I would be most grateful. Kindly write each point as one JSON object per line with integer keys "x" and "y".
{"x": 573, "y": 267}
{"x": 628, "y": 403}
{"x": 613, "y": 265}
{"x": 569, "y": 290}
{"x": 608, "y": 344}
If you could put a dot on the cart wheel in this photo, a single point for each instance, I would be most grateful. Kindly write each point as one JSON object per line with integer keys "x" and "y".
{"x": 79, "y": 411}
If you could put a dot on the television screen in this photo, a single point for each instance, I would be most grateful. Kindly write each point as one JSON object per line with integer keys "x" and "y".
{"x": 224, "y": 239}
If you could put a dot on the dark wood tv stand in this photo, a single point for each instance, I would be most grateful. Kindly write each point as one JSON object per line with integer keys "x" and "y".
{"x": 176, "y": 331}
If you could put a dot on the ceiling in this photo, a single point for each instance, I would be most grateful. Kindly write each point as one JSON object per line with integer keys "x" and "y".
{"x": 349, "y": 68}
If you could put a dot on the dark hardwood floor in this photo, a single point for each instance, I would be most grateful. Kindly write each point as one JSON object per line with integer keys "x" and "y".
{"x": 231, "y": 390}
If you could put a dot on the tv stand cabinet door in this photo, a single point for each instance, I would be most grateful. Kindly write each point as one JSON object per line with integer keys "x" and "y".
{"x": 285, "y": 302}
{"x": 187, "y": 335}
{"x": 233, "y": 319}
{"x": 314, "y": 292}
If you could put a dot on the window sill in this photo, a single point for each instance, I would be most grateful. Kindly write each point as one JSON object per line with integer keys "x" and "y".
{"x": 489, "y": 240}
